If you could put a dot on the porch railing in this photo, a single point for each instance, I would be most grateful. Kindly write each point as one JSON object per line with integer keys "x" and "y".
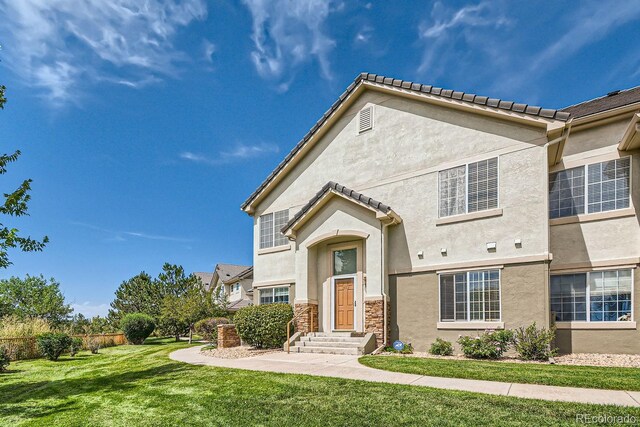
{"x": 306, "y": 309}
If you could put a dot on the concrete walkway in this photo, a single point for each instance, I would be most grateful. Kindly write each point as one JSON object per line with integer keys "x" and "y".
{"x": 339, "y": 366}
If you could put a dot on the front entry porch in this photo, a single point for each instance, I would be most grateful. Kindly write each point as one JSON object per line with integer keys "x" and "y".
{"x": 340, "y": 264}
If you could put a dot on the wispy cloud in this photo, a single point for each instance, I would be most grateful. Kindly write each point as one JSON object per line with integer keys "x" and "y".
{"x": 208, "y": 49}
{"x": 288, "y": 33}
{"x": 447, "y": 26}
{"x": 90, "y": 310}
{"x": 364, "y": 35}
{"x": 55, "y": 45}
{"x": 123, "y": 235}
{"x": 237, "y": 153}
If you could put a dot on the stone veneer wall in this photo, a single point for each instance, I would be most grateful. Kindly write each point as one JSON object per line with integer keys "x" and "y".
{"x": 228, "y": 336}
{"x": 374, "y": 319}
{"x": 303, "y": 321}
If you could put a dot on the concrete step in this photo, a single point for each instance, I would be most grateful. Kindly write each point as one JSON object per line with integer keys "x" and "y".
{"x": 331, "y": 339}
{"x": 327, "y": 344}
{"x": 330, "y": 334}
{"x": 324, "y": 350}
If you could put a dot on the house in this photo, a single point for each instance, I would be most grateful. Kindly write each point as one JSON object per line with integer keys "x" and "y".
{"x": 235, "y": 282}
{"x": 205, "y": 278}
{"x": 413, "y": 212}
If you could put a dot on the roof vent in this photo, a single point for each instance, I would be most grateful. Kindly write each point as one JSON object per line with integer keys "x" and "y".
{"x": 365, "y": 119}
{"x": 615, "y": 92}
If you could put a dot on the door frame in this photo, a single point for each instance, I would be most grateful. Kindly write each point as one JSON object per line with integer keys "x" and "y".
{"x": 333, "y": 299}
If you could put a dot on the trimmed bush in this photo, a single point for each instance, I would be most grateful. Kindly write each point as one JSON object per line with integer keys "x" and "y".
{"x": 489, "y": 345}
{"x": 4, "y": 358}
{"x": 76, "y": 346}
{"x": 408, "y": 349}
{"x": 263, "y": 326}
{"x": 137, "y": 327}
{"x": 94, "y": 345}
{"x": 53, "y": 344}
{"x": 533, "y": 343}
{"x": 208, "y": 328}
{"x": 441, "y": 347}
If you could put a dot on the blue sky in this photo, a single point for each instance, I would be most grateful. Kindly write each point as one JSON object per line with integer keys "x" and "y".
{"x": 145, "y": 124}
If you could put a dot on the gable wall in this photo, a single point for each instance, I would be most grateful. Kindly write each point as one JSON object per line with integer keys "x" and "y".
{"x": 398, "y": 162}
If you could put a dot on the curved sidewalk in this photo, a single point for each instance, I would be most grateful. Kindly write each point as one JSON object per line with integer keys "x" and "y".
{"x": 339, "y": 366}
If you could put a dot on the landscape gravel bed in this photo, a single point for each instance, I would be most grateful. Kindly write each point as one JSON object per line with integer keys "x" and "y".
{"x": 237, "y": 352}
{"x": 577, "y": 359}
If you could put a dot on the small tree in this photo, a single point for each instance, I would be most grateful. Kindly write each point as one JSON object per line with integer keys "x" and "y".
{"x": 15, "y": 204}
{"x": 137, "y": 327}
{"x": 52, "y": 345}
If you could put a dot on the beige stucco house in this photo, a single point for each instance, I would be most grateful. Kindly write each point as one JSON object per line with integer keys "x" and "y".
{"x": 412, "y": 212}
{"x": 233, "y": 282}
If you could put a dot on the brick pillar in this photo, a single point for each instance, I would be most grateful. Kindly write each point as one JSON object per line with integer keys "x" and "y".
{"x": 228, "y": 336}
{"x": 303, "y": 321}
{"x": 374, "y": 319}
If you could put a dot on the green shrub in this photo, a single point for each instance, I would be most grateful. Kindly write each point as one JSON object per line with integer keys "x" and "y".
{"x": 441, "y": 347}
{"x": 208, "y": 328}
{"x": 4, "y": 358}
{"x": 533, "y": 343}
{"x": 53, "y": 344}
{"x": 408, "y": 349}
{"x": 94, "y": 345}
{"x": 263, "y": 326}
{"x": 76, "y": 346}
{"x": 489, "y": 345}
{"x": 137, "y": 327}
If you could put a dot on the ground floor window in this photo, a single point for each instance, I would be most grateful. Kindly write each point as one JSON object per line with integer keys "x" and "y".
{"x": 597, "y": 296}
{"x": 273, "y": 295}
{"x": 470, "y": 296}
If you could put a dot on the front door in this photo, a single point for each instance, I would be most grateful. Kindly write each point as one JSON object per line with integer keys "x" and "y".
{"x": 344, "y": 303}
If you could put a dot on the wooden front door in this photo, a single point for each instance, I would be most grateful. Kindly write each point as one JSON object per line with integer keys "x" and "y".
{"x": 344, "y": 303}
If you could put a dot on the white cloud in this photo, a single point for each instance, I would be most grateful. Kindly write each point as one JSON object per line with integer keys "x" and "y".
{"x": 364, "y": 35}
{"x": 55, "y": 45}
{"x": 90, "y": 310}
{"x": 288, "y": 33}
{"x": 208, "y": 49}
{"x": 238, "y": 152}
{"x": 446, "y": 25}
{"x": 122, "y": 235}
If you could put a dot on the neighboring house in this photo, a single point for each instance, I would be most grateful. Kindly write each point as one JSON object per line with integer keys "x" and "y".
{"x": 234, "y": 281}
{"x": 415, "y": 212}
{"x": 205, "y": 278}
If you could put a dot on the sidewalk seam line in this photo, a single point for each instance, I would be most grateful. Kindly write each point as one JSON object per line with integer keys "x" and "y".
{"x": 632, "y": 398}
{"x": 417, "y": 379}
{"x": 509, "y": 391}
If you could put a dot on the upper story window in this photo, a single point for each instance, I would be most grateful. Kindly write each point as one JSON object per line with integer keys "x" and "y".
{"x": 605, "y": 188}
{"x": 598, "y": 296}
{"x": 469, "y": 188}
{"x": 270, "y": 226}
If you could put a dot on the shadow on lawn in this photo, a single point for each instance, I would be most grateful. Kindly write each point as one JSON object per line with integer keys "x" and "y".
{"x": 23, "y": 396}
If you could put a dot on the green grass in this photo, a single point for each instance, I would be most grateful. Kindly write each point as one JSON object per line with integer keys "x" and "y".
{"x": 140, "y": 386}
{"x": 528, "y": 373}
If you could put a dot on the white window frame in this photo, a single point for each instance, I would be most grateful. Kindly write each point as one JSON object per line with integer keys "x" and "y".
{"x": 585, "y": 167}
{"x": 466, "y": 187}
{"x": 272, "y": 290}
{"x": 468, "y": 317}
{"x": 275, "y": 232}
{"x": 588, "y": 297}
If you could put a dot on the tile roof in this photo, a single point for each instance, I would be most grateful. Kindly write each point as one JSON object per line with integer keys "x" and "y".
{"x": 227, "y": 272}
{"x": 615, "y": 99}
{"x": 205, "y": 278}
{"x": 468, "y": 98}
{"x": 334, "y": 186}
{"x": 237, "y": 305}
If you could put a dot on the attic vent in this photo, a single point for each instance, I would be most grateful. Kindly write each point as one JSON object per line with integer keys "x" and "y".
{"x": 365, "y": 119}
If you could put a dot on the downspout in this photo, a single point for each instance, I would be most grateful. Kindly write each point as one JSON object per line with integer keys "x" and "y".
{"x": 383, "y": 281}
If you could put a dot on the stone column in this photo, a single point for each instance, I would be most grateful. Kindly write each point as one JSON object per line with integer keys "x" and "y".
{"x": 374, "y": 319}
{"x": 303, "y": 321}
{"x": 228, "y": 336}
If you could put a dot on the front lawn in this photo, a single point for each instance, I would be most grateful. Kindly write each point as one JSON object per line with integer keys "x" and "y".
{"x": 529, "y": 373}
{"x": 140, "y": 386}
